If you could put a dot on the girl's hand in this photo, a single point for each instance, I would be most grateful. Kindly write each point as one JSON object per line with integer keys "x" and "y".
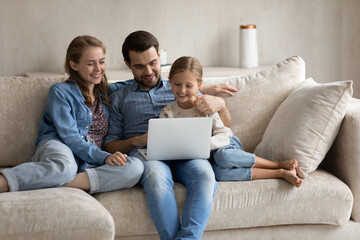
{"x": 116, "y": 158}
{"x": 207, "y": 104}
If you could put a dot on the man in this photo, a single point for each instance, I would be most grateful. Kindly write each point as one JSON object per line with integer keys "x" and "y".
{"x": 133, "y": 106}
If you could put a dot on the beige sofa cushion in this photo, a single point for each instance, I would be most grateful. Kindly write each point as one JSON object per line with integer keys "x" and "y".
{"x": 306, "y": 123}
{"x": 22, "y": 102}
{"x": 259, "y": 95}
{"x": 350, "y": 231}
{"x": 343, "y": 157}
{"x": 55, "y": 213}
{"x": 322, "y": 199}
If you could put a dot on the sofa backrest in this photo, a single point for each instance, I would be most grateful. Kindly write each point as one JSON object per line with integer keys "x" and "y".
{"x": 22, "y": 101}
{"x": 259, "y": 96}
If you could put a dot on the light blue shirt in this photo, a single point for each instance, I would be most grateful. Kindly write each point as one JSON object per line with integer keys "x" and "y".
{"x": 132, "y": 108}
{"x": 66, "y": 118}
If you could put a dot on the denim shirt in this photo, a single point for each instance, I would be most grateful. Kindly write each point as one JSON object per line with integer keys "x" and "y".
{"x": 66, "y": 118}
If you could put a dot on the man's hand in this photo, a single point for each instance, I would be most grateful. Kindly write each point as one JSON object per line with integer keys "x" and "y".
{"x": 127, "y": 144}
{"x": 117, "y": 158}
{"x": 217, "y": 89}
{"x": 140, "y": 141}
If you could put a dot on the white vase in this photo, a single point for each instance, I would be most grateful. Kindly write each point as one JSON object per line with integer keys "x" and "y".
{"x": 248, "y": 47}
{"x": 163, "y": 56}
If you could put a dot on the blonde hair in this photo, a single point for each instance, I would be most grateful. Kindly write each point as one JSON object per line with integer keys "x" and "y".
{"x": 184, "y": 64}
{"x": 74, "y": 52}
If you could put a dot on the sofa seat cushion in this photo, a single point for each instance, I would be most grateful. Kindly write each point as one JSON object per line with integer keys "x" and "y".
{"x": 55, "y": 213}
{"x": 322, "y": 199}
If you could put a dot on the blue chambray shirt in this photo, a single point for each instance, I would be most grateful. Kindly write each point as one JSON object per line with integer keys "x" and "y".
{"x": 66, "y": 118}
{"x": 132, "y": 108}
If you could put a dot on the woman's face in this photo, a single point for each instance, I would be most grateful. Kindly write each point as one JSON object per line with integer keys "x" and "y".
{"x": 91, "y": 66}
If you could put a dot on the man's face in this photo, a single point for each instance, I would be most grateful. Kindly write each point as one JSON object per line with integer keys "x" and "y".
{"x": 145, "y": 67}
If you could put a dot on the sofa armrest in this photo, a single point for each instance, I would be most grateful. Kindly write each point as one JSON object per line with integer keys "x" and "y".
{"x": 343, "y": 159}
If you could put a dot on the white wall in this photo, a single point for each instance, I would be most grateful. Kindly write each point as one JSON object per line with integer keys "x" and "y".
{"x": 34, "y": 34}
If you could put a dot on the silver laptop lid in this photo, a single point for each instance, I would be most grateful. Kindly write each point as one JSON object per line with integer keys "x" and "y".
{"x": 179, "y": 138}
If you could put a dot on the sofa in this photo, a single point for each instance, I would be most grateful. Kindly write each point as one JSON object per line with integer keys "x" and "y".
{"x": 278, "y": 113}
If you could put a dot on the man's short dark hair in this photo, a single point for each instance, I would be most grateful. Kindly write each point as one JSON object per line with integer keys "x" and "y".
{"x": 139, "y": 41}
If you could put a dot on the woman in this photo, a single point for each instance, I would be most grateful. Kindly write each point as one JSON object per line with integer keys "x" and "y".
{"x": 72, "y": 128}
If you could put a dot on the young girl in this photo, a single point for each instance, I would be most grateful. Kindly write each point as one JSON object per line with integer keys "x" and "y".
{"x": 232, "y": 163}
{"x": 74, "y": 123}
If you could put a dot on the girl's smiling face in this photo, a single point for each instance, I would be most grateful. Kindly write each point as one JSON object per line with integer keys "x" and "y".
{"x": 185, "y": 86}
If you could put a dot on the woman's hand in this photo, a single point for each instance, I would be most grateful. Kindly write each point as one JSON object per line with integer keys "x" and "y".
{"x": 116, "y": 158}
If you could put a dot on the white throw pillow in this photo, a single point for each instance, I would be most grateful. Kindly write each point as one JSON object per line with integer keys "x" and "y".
{"x": 306, "y": 124}
{"x": 259, "y": 95}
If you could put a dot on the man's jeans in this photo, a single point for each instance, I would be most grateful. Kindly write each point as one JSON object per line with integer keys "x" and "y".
{"x": 53, "y": 164}
{"x": 158, "y": 181}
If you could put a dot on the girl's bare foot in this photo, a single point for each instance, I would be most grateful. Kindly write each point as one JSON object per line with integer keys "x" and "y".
{"x": 289, "y": 164}
{"x": 291, "y": 177}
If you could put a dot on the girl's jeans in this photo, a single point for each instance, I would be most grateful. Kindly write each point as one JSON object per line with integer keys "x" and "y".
{"x": 232, "y": 163}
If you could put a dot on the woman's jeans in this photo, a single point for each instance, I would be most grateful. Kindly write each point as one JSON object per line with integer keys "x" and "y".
{"x": 232, "y": 163}
{"x": 53, "y": 165}
{"x": 158, "y": 181}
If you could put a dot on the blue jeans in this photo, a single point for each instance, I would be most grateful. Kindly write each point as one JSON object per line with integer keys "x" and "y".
{"x": 53, "y": 164}
{"x": 232, "y": 163}
{"x": 158, "y": 181}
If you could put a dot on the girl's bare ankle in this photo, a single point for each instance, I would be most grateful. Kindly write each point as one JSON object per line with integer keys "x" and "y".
{"x": 3, "y": 184}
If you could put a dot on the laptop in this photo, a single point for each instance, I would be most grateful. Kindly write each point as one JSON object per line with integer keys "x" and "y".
{"x": 178, "y": 138}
